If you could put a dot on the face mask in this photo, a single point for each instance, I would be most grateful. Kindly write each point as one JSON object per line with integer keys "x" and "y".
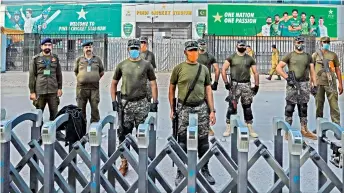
{"x": 300, "y": 47}
{"x": 46, "y": 51}
{"x": 326, "y": 46}
{"x": 241, "y": 50}
{"x": 268, "y": 23}
{"x": 192, "y": 56}
{"x": 202, "y": 47}
{"x": 134, "y": 54}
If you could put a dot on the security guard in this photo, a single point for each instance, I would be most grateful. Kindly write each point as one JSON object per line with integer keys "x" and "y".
{"x": 251, "y": 53}
{"x": 134, "y": 72}
{"x": 240, "y": 64}
{"x": 208, "y": 60}
{"x": 88, "y": 71}
{"x": 301, "y": 64}
{"x": 149, "y": 56}
{"x": 274, "y": 62}
{"x": 327, "y": 86}
{"x": 182, "y": 77}
{"x": 45, "y": 79}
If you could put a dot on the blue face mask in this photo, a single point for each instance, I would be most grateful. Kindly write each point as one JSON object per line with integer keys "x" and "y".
{"x": 134, "y": 54}
{"x": 326, "y": 46}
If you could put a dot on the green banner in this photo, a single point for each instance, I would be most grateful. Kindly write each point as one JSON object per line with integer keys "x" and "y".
{"x": 62, "y": 19}
{"x": 263, "y": 20}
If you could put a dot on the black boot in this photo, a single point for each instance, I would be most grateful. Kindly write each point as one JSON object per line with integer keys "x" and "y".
{"x": 179, "y": 178}
{"x": 207, "y": 175}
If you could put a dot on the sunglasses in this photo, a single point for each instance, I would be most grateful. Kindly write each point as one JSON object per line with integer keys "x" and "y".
{"x": 326, "y": 42}
{"x": 143, "y": 42}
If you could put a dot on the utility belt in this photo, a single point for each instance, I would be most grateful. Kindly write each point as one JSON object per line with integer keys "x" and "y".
{"x": 192, "y": 104}
{"x": 126, "y": 97}
{"x": 303, "y": 79}
{"x": 241, "y": 81}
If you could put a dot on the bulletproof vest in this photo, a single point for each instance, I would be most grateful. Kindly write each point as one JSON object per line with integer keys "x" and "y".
{"x": 75, "y": 127}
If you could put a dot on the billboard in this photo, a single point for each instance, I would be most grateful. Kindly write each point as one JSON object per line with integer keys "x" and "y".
{"x": 263, "y": 20}
{"x": 62, "y": 19}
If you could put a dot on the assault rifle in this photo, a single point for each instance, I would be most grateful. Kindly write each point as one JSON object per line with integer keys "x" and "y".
{"x": 231, "y": 99}
{"x": 326, "y": 65}
{"x": 120, "y": 109}
{"x": 175, "y": 121}
{"x": 292, "y": 77}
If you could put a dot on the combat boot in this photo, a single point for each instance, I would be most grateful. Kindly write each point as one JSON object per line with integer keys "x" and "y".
{"x": 207, "y": 175}
{"x": 228, "y": 131}
{"x": 124, "y": 167}
{"x": 268, "y": 78}
{"x": 211, "y": 132}
{"x": 252, "y": 133}
{"x": 179, "y": 178}
{"x": 278, "y": 77}
{"x": 308, "y": 134}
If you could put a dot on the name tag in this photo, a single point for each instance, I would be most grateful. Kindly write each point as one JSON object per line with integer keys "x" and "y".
{"x": 46, "y": 72}
{"x": 89, "y": 68}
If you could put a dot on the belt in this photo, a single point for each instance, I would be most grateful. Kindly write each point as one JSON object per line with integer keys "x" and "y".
{"x": 302, "y": 79}
{"x": 191, "y": 104}
{"x": 125, "y": 97}
{"x": 241, "y": 81}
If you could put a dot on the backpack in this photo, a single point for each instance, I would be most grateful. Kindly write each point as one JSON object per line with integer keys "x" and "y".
{"x": 75, "y": 127}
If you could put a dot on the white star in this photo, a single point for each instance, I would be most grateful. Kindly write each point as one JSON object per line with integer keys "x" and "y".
{"x": 82, "y": 14}
{"x": 330, "y": 12}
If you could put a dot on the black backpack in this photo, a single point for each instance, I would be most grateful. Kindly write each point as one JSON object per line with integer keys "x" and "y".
{"x": 75, "y": 127}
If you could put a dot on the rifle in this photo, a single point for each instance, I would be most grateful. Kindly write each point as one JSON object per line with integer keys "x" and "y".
{"x": 291, "y": 75}
{"x": 231, "y": 99}
{"x": 175, "y": 119}
{"x": 325, "y": 63}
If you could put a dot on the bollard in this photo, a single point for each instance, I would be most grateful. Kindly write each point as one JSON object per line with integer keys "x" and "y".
{"x": 152, "y": 134}
{"x": 112, "y": 135}
{"x": 192, "y": 144}
{"x": 95, "y": 140}
{"x": 277, "y": 122}
{"x": 35, "y": 135}
{"x": 295, "y": 142}
{"x": 323, "y": 125}
{"x": 5, "y": 142}
{"x": 143, "y": 142}
{"x": 242, "y": 146}
{"x": 48, "y": 139}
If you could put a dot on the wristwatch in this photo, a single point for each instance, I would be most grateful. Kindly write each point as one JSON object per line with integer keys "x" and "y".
{"x": 214, "y": 111}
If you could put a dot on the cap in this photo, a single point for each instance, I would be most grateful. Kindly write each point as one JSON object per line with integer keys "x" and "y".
{"x": 248, "y": 46}
{"x": 201, "y": 41}
{"x": 189, "y": 45}
{"x": 46, "y": 40}
{"x": 241, "y": 43}
{"x": 88, "y": 43}
{"x": 134, "y": 43}
{"x": 143, "y": 39}
{"x": 273, "y": 46}
{"x": 299, "y": 39}
{"x": 325, "y": 39}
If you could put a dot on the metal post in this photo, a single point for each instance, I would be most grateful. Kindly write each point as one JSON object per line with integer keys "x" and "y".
{"x": 234, "y": 136}
{"x": 95, "y": 140}
{"x": 295, "y": 143}
{"x": 35, "y": 135}
{"x": 5, "y": 143}
{"x": 112, "y": 144}
{"x": 152, "y": 142}
{"x": 192, "y": 144}
{"x": 3, "y": 114}
{"x": 278, "y": 141}
{"x": 48, "y": 139}
{"x": 242, "y": 146}
{"x": 143, "y": 142}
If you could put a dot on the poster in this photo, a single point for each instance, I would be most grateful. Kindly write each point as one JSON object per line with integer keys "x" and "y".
{"x": 262, "y": 20}
{"x": 62, "y": 19}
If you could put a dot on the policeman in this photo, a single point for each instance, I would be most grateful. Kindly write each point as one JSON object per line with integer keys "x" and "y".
{"x": 208, "y": 60}
{"x": 149, "y": 56}
{"x": 182, "y": 77}
{"x": 251, "y": 53}
{"x": 135, "y": 71}
{"x": 88, "y": 71}
{"x": 327, "y": 86}
{"x": 240, "y": 64}
{"x": 301, "y": 64}
{"x": 45, "y": 79}
{"x": 274, "y": 62}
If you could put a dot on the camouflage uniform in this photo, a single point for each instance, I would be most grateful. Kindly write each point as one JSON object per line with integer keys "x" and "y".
{"x": 299, "y": 63}
{"x": 182, "y": 76}
{"x": 88, "y": 73}
{"x": 323, "y": 83}
{"x": 45, "y": 78}
{"x": 149, "y": 56}
{"x": 134, "y": 74}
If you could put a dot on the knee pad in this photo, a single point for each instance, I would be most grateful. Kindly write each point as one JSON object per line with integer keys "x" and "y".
{"x": 289, "y": 109}
{"x": 203, "y": 146}
{"x": 302, "y": 109}
{"x": 247, "y": 112}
